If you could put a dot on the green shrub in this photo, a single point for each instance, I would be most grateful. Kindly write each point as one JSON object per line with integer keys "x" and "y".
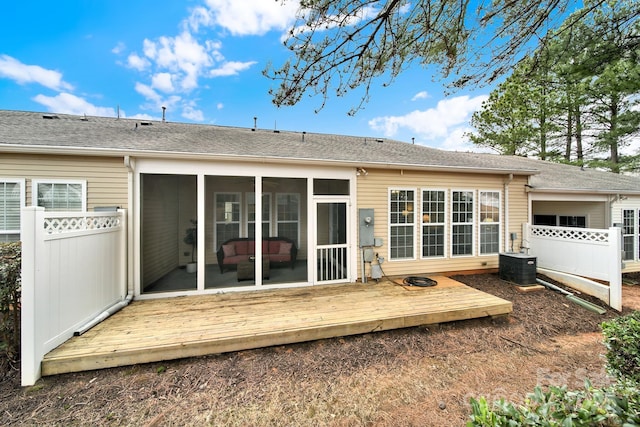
{"x": 560, "y": 407}
{"x": 622, "y": 339}
{"x": 10, "y": 263}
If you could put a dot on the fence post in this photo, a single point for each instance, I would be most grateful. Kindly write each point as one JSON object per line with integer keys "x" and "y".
{"x": 615, "y": 268}
{"x": 31, "y": 231}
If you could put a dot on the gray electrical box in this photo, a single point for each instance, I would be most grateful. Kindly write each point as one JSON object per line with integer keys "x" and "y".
{"x": 365, "y": 226}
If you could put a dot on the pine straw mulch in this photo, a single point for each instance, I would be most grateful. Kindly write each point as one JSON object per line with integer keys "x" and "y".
{"x": 416, "y": 376}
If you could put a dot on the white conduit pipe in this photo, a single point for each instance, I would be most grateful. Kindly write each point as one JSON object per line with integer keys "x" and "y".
{"x": 105, "y": 314}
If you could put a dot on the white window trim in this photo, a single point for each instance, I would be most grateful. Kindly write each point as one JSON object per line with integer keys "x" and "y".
{"x": 480, "y": 223}
{"x": 23, "y": 200}
{"x": 474, "y": 240}
{"x": 297, "y": 221}
{"x": 444, "y": 224}
{"x": 216, "y": 222}
{"x": 416, "y": 203}
{"x": 270, "y": 206}
{"x": 36, "y": 182}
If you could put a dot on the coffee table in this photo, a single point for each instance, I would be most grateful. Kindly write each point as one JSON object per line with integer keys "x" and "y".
{"x": 246, "y": 269}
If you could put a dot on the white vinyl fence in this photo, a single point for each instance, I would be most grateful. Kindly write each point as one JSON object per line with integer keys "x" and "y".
{"x": 73, "y": 268}
{"x": 585, "y": 252}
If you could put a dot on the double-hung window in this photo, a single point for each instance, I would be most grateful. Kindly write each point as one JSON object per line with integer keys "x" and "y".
{"x": 227, "y": 216}
{"x": 401, "y": 223}
{"x": 433, "y": 223}
{"x": 489, "y": 206}
{"x": 60, "y": 195}
{"x": 288, "y": 216}
{"x": 251, "y": 215}
{"x": 461, "y": 223}
{"x": 629, "y": 233}
{"x": 11, "y": 200}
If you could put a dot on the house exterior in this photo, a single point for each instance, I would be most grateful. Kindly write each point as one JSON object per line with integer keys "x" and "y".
{"x": 347, "y": 202}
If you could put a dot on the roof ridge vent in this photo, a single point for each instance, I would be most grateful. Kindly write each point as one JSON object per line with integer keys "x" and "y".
{"x": 50, "y": 116}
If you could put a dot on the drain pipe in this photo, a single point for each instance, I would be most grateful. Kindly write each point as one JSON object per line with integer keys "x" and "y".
{"x": 102, "y": 316}
{"x": 570, "y": 296}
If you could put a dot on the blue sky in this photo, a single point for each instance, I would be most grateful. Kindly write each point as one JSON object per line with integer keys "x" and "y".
{"x": 203, "y": 60}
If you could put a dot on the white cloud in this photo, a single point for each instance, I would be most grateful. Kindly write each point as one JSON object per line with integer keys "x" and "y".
{"x": 119, "y": 48}
{"x": 433, "y": 123}
{"x": 251, "y": 17}
{"x": 231, "y": 68}
{"x": 137, "y": 62}
{"x": 199, "y": 16}
{"x": 163, "y": 82}
{"x": 219, "y": 105}
{"x": 148, "y": 92}
{"x": 15, "y": 70}
{"x": 420, "y": 95}
{"x": 66, "y": 103}
{"x": 191, "y": 113}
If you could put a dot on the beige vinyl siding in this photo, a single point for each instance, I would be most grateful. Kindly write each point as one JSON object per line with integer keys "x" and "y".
{"x": 518, "y": 213}
{"x": 595, "y": 212}
{"x": 373, "y": 192}
{"x": 160, "y": 226}
{"x": 106, "y": 177}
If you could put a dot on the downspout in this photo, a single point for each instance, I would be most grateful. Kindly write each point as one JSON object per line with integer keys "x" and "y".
{"x": 506, "y": 210}
{"x": 125, "y": 302}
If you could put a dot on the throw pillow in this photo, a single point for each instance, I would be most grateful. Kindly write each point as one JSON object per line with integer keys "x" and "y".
{"x": 229, "y": 250}
{"x": 285, "y": 248}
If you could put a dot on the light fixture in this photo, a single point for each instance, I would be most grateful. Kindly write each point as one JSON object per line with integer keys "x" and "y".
{"x": 361, "y": 171}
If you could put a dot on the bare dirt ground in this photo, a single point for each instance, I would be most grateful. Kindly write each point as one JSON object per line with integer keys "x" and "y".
{"x": 421, "y": 376}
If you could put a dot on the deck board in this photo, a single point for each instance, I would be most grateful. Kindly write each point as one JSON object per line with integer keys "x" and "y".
{"x": 154, "y": 330}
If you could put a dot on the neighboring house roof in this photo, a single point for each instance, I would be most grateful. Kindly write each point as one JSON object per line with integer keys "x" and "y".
{"x": 69, "y": 134}
{"x": 561, "y": 178}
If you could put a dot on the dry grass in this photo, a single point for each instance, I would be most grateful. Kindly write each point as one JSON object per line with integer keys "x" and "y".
{"x": 413, "y": 377}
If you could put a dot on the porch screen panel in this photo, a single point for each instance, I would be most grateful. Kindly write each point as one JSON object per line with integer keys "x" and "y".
{"x": 402, "y": 224}
{"x": 266, "y": 215}
{"x": 628, "y": 233}
{"x": 227, "y": 214}
{"x": 489, "y": 205}
{"x": 288, "y": 216}
{"x": 10, "y": 204}
{"x": 462, "y": 223}
{"x": 433, "y": 223}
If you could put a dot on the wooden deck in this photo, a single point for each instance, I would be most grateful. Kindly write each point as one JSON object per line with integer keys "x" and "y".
{"x": 173, "y": 328}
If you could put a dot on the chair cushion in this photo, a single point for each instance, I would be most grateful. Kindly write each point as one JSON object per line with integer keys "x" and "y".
{"x": 274, "y": 247}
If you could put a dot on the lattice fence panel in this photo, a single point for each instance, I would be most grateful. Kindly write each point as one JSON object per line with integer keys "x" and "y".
{"x": 66, "y": 224}
{"x": 577, "y": 234}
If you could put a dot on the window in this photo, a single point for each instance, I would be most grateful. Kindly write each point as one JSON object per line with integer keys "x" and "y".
{"x": 60, "y": 195}
{"x": 461, "y": 223}
{"x": 11, "y": 200}
{"x": 288, "y": 216}
{"x": 402, "y": 224}
{"x": 433, "y": 223}
{"x": 251, "y": 215}
{"x": 227, "y": 217}
{"x": 489, "y": 205}
{"x": 572, "y": 221}
{"x": 628, "y": 233}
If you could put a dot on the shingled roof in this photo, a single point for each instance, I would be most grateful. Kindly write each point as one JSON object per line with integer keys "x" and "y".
{"x": 69, "y": 134}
